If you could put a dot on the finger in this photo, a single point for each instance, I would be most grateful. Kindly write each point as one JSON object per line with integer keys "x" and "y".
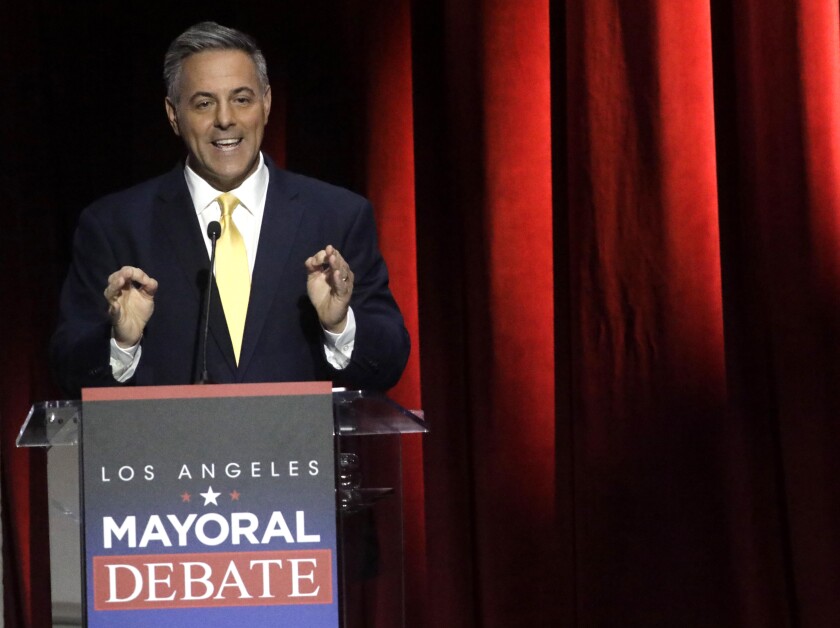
{"x": 138, "y": 277}
{"x": 333, "y": 258}
{"x": 313, "y": 266}
{"x": 342, "y": 281}
{"x": 316, "y": 262}
{"x": 126, "y": 278}
{"x": 336, "y": 259}
{"x": 127, "y": 274}
{"x": 116, "y": 281}
{"x": 150, "y": 287}
{"x": 338, "y": 264}
{"x": 114, "y": 311}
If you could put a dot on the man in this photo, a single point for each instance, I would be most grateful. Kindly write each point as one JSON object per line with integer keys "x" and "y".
{"x": 302, "y": 290}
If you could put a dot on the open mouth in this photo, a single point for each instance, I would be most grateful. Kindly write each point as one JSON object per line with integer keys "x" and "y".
{"x": 227, "y": 144}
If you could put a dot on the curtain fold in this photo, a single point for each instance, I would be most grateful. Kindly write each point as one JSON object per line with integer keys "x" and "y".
{"x": 648, "y": 391}
{"x": 782, "y": 209}
{"x": 390, "y": 185}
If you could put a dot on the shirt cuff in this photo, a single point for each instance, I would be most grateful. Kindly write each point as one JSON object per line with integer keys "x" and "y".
{"x": 124, "y": 361}
{"x": 339, "y": 347}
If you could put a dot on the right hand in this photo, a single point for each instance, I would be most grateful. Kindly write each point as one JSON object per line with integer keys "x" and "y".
{"x": 131, "y": 301}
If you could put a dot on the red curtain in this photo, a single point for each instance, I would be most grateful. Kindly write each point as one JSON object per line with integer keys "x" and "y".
{"x": 779, "y": 210}
{"x": 486, "y": 293}
{"x": 613, "y": 229}
{"x": 647, "y": 344}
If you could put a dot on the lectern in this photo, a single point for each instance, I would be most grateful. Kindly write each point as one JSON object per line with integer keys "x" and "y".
{"x": 225, "y": 505}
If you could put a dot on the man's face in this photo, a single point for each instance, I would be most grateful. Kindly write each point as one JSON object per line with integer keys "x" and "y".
{"x": 221, "y": 115}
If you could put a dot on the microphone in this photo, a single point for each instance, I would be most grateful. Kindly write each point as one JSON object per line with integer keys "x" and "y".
{"x": 214, "y": 230}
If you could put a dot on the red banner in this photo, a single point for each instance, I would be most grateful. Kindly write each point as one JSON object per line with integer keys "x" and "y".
{"x": 152, "y": 581}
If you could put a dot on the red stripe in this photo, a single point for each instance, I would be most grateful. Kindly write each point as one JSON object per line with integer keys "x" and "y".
{"x": 206, "y": 391}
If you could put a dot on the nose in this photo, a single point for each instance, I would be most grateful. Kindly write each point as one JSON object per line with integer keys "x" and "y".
{"x": 224, "y": 115}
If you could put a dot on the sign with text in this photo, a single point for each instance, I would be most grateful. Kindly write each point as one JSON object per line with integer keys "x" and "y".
{"x": 210, "y": 506}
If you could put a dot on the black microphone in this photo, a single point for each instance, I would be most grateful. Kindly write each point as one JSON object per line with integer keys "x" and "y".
{"x": 214, "y": 230}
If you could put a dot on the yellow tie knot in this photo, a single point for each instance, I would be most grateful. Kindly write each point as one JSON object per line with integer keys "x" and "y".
{"x": 228, "y": 203}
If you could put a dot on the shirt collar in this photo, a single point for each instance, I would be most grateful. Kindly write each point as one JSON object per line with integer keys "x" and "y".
{"x": 251, "y": 192}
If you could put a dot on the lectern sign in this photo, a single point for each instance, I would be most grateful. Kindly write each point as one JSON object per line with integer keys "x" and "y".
{"x": 210, "y": 506}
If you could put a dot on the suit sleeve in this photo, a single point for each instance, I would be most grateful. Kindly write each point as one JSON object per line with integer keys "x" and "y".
{"x": 382, "y": 344}
{"x": 80, "y": 347}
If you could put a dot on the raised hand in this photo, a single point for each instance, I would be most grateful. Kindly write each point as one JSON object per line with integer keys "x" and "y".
{"x": 329, "y": 284}
{"x": 131, "y": 301}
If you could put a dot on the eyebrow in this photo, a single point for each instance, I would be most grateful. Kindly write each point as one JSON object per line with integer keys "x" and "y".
{"x": 233, "y": 92}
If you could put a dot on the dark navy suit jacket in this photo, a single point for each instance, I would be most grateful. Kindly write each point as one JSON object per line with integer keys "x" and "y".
{"x": 153, "y": 226}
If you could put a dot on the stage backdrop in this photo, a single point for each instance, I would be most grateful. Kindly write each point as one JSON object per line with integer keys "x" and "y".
{"x": 614, "y": 229}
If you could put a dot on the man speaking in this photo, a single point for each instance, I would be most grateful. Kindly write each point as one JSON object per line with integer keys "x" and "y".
{"x": 301, "y": 289}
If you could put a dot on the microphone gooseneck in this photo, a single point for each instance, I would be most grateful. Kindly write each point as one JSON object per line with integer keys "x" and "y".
{"x": 214, "y": 230}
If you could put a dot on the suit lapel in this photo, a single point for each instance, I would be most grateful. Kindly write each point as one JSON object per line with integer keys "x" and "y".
{"x": 174, "y": 209}
{"x": 281, "y": 221}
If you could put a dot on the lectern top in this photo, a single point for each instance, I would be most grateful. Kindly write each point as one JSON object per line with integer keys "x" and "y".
{"x": 356, "y": 413}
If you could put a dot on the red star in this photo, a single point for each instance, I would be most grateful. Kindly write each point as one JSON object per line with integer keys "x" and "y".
{"x": 234, "y": 497}
{"x": 185, "y": 497}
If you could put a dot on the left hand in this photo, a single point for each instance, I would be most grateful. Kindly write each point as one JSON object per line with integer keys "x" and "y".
{"x": 329, "y": 284}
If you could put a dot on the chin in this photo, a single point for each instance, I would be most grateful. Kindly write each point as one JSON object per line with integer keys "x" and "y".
{"x": 227, "y": 180}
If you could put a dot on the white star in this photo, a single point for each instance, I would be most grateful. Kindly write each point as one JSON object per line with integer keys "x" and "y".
{"x": 210, "y": 496}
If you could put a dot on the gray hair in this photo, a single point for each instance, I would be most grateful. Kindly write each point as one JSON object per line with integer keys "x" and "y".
{"x": 208, "y": 36}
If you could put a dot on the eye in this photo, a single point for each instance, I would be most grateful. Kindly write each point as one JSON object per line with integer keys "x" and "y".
{"x": 203, "y": 104}
{"x": 242, "y": 100}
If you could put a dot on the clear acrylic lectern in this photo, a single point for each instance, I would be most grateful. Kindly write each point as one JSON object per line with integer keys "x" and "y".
{"x": 368, "y": 427}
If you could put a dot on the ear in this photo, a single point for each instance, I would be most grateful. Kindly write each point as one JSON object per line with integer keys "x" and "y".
{"x": 266, "y": 103}
{"x": 172, "y": 114}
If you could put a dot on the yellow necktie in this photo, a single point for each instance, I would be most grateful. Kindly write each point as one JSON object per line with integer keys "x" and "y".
{"x": 232, "y": 274}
